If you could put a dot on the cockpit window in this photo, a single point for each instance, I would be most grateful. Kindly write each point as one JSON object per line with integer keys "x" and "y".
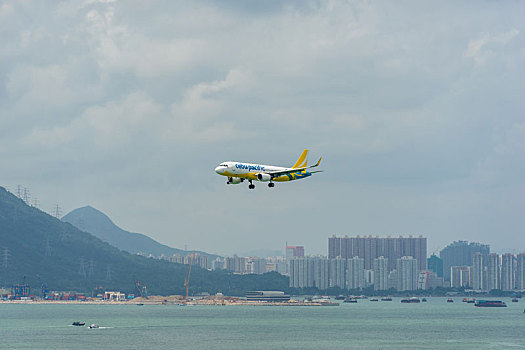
{"x": 226, "y": 165}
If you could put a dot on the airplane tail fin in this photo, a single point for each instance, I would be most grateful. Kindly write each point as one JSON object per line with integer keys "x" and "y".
{"x": 301, "y": 162}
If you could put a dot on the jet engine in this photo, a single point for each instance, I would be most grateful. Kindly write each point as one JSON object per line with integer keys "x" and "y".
{"x": 234, "y": 180}
{"x": 264, "y": 177}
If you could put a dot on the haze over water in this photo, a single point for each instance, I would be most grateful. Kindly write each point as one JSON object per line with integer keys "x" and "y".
{"x": 365, "y": 325}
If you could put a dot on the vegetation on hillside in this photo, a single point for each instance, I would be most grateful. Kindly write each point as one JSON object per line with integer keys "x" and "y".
{"x": 39, "y": 248}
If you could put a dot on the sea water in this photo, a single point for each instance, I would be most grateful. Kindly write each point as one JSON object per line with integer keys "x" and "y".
{"x": 435, "y": 324}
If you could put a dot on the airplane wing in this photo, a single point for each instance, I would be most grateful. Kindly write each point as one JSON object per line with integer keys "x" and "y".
{"x": 289, "y": 171}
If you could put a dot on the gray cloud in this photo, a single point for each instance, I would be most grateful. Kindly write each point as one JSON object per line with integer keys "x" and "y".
{"x": 416, "y": 108}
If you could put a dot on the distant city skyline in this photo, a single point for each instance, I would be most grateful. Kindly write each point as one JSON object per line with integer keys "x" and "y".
{"x": 25, "y": 194}
{"x": 394, "y": 263}
{"x": 347, "y": 246}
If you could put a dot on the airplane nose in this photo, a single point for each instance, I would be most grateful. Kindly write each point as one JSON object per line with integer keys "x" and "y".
{"x": 219, "y": 169}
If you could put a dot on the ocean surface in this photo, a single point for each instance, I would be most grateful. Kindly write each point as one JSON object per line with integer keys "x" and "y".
{"x": 435, "y": 324}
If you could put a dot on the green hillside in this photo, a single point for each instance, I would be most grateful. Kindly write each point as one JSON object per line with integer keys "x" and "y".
{"x": 34, "y": 244}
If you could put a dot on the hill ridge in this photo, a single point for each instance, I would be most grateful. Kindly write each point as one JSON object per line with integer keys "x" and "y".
{"x": 99, "y": 224}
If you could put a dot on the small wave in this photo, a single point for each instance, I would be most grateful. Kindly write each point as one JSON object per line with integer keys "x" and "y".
{"x": 505, "y": 344}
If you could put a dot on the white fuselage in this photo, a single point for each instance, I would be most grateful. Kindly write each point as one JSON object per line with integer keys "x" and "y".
{"x": 239, "y": 168}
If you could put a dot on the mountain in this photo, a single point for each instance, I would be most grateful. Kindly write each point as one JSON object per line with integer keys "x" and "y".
{"x": 39, "y": 248}
{"x": 91, "y": 220}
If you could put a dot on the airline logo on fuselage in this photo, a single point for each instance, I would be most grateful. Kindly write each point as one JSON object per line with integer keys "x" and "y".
{"x": 249, "y": 167}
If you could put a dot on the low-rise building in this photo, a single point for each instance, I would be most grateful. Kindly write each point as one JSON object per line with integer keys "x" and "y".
{"x": 267, "y": 295}
{"x": 114, "y": 296}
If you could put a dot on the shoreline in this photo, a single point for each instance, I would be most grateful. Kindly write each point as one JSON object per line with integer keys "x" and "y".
{"x": 155, "y": 302}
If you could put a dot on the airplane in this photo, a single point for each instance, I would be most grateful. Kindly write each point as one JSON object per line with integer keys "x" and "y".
{"x": 237, "y": 172}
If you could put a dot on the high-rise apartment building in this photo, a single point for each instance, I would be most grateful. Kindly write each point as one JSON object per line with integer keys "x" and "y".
{"x": 460, "y": 254}
{"x": 277, "y": 264}
{"x": 310, "y": 272}
{"x": 369, "y": 278}
{"x": 235, "y": 264}
{"x": 429, "y": 279}
{"x": 256, "y": 265}
{"x": 477, "y": 273}
{"x": 520, "y": 271}
{"x": 493, "y": 272}
{"x": 197, "y": 260}
{"x": 217, "y": 264}
{"x": 338, "y": 272}
{"x": 435, "y": 281}
{"x": 380, "y": 273}
{"x": 407, "y": 273}
{"x": 355, "y": 276}
{"x": 392, "y": 279}
{"x": 334, "y": 247}
{"x": 176, "y": 258}
{"x": 298, "y": 270}
{"x": 321, "y": 268}
{"x": 423, "y": 280}
{"x": 507, "y": 271}
{"x": 294, "y": 252}
{"x": 460, "y": 276}
{"x": 369, "y": 248}
{"x": 435, "y": 264}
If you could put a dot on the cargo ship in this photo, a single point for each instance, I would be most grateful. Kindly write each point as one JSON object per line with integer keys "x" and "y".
{"x": 490, "y": 303}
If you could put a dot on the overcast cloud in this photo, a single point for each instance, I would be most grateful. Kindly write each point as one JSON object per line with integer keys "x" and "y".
{"x": 416, "y": 107}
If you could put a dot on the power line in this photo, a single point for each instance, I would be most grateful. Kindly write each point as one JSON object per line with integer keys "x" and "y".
{"x": 91, "y": 268}
{"x": 26, "y": 195}
{"x": 47, "y": 251}
{"x": 57, "y": 211}
{"x": 82, "y": 269}
{"x": 108, "y": 273}
{"x": 63, "y": 233}
{"x": 5, "y": 264}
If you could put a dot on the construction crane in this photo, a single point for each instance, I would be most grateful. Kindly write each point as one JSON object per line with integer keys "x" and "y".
{"x": 141, "y": 290}
{"x": 43, "y": 287}
{"x": 187, "y": 280}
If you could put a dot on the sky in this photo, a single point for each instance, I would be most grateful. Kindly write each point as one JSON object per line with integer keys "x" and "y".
{"x": 416, "y": 107}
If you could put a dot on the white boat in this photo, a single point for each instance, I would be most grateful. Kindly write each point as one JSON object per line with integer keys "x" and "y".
{"x": 94, "y": 325}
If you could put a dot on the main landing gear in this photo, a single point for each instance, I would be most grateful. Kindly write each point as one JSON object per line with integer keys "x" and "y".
{"x": 252, "y": 186}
